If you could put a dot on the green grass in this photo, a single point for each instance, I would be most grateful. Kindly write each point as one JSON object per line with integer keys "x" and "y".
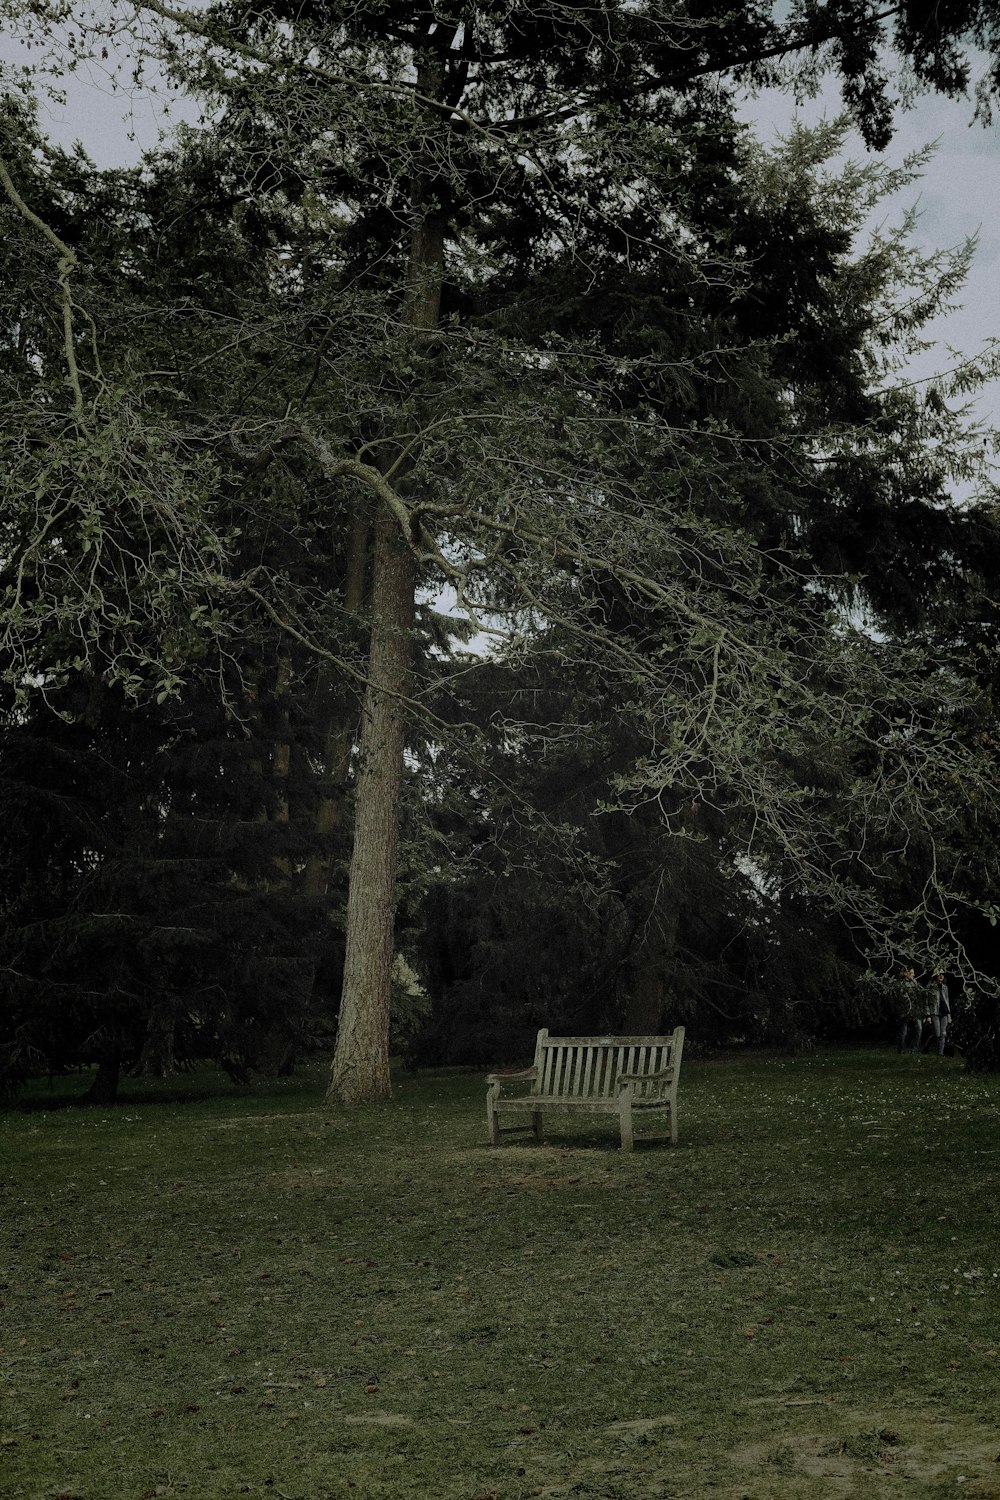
{"x": 245, "y": 1294}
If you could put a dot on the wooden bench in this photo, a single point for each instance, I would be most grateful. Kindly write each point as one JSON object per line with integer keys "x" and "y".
{"x": 620, "y": 1075}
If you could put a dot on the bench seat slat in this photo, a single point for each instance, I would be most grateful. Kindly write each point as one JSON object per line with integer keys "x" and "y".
{"x": 559, "y": 1101}
{"x": 566, "y": 1101}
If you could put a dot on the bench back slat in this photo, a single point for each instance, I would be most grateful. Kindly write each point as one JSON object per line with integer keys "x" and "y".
{"x": 584, "y": 1067}
{"x": 579, "y": 1056}
{"x": 549, "y": 1055}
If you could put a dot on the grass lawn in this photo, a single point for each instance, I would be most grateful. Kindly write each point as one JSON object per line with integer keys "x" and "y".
{"x": 245, "y": 1294}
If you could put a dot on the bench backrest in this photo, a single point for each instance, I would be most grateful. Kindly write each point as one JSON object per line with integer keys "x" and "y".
{"x": 587, "y": 1067}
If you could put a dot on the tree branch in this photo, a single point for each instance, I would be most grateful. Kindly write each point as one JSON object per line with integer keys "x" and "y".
{"x": 67, "y": 265}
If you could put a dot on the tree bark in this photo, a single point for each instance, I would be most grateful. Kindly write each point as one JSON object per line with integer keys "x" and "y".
{"x": 361, "y": 1061}
{"x": 157, "y": 1057}
{"x": 651, "y": 965}
{"x": 104, "y": 1089}
{"x": 340, "y": 728}
{"x": 281, "y": 764}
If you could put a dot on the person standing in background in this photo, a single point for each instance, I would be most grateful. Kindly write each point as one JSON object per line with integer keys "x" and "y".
{"x": 940, "y": 1009}
{"x": 908, "y": 1012}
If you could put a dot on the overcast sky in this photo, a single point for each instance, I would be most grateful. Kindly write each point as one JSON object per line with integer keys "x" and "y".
{"x": 958, "y": 195}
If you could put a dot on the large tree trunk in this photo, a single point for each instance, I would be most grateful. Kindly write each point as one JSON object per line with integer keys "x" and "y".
{"x": 281, "y": 764}
{"x": 339, "y": 727}
{"x": 361, "y": 1063}
{"x": 104, "y": 1088}
{"x": 157, "y": 1057}
{"x": 652, "y": 961}
{"x": 361, "y": 1060}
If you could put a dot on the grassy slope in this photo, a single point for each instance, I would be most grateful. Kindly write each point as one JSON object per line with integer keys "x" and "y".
{"x": 249, "y": 1295}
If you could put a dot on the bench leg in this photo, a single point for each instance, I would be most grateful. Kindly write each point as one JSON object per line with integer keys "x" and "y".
{"x": 492, "y": 1119}
{"x": 673, "y": 1123}
{"x": 536, "y": 1123}
{"x": 625, "y": 1120}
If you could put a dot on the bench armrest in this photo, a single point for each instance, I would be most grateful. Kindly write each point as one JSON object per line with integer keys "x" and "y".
{"x": 666, "y": 1075}
{"x": 521, "y": 1075}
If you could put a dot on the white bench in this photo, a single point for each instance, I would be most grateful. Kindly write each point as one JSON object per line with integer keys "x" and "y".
{"x": 621, "y": 1075}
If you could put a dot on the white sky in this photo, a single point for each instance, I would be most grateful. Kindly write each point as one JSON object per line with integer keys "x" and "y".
{"x": 959, "y": 193}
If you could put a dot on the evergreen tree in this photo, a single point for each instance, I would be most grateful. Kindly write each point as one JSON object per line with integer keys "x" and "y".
{"x": 147, "y": 679}
{"x": 826, "y": 445}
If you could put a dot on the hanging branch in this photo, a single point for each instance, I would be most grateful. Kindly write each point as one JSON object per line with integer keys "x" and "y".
{"x": 67, "y": 265}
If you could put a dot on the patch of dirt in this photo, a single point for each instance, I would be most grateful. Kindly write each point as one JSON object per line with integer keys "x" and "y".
{"x": 380, "y": 1419}
{"x": 248, "y": 1120}
{"x": 639, "y": 1425}
{"x": 802, "y": 1456}
{"x": 540, "y": 1183}
{"x": 913, "y": 1448}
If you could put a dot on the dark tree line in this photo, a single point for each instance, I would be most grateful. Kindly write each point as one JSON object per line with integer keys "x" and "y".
{"x": 501, "y": 301}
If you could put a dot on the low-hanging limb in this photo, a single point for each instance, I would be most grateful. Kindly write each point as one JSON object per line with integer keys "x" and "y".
{"x": 67, "y": 265}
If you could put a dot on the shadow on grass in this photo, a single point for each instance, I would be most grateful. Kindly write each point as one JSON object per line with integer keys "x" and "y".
{"x": 56, "y": 1102}
{"x": 200, "y": 1086}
